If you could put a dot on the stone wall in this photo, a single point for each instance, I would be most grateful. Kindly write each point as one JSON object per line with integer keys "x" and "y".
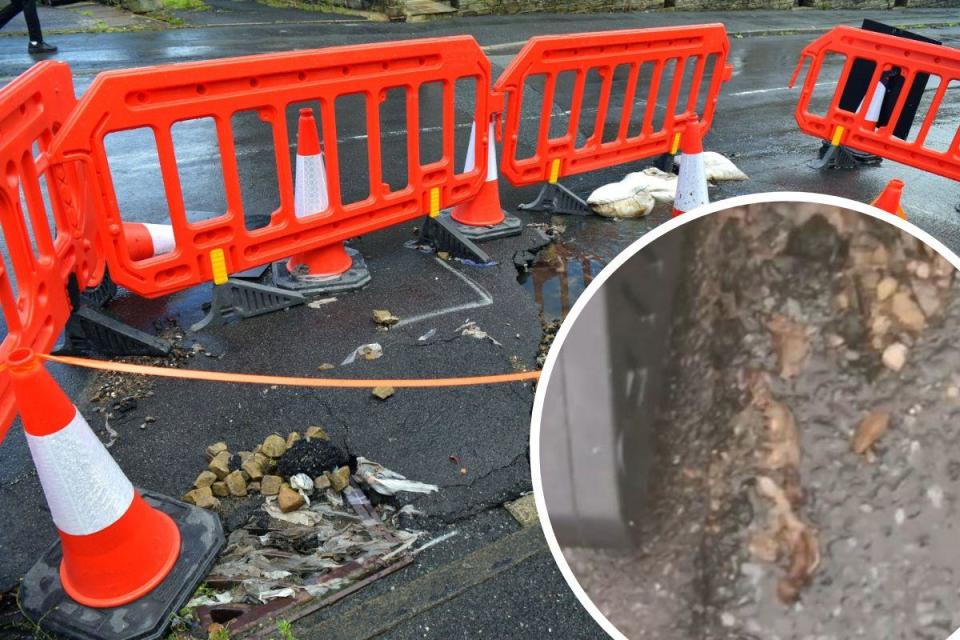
{"x": 480, "y": 7}
{"x": 713, "y": 5}
{"x": 849, "y": 4}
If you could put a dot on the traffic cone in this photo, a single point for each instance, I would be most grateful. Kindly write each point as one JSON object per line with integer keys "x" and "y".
{"x": 484, "y": 210}
{"x": 116, "y": 547}
{"x": 692, "y": 175}
{"x": 482, "y": 217}
{"x": 876, "y": 104}
{"x": 145, "y": 240}
{"x": 889, "y": 198}
{"x": 310, "y": 197}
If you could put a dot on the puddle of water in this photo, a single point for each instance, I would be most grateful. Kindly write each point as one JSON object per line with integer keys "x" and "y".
{"x": 185, "y": 307}
{"x": 564, "y": 269}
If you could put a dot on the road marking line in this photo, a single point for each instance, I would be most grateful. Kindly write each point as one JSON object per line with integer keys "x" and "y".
{"x": 485, "y": 299}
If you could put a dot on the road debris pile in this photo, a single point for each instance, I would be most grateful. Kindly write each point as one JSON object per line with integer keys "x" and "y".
{"x": 315, "y": 538}
{"x": 550, "y": 329}
{"x": 782, "y": 533}
{"x": 895, "y": 292}
{"x": 116, "y": 395}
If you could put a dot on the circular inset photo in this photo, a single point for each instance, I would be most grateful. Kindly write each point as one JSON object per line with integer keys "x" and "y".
{"x": 747, "y": 429}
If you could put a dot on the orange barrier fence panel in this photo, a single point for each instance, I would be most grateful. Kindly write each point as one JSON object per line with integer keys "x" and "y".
{"x": 46, "y": 217}
{"x": 881, "y": 122}
{"x": 156, "y": 99}
{"x": 595, "y": 100}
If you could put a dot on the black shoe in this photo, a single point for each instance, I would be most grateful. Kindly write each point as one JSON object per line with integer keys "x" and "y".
{"x": 40, "y": 47}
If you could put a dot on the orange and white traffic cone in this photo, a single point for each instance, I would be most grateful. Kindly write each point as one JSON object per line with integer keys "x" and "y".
{"x": 482, "y": 217}
{"x": 692, "y": 175}
{"x": 332, "y": 267}
{"x": 116, "y": 547}
{"x": 889, "y": 198}
{"x": 309, "y": 198}
{"x": 145, "y": 240}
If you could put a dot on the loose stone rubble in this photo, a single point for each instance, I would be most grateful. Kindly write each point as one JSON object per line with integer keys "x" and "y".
{"x": 315, "y": 531}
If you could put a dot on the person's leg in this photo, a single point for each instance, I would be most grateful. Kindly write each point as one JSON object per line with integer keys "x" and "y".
{"x": 8, "y": 12}
{"x": 33, "y": 20}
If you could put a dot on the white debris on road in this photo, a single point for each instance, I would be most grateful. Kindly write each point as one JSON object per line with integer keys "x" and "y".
{"x": 470, "y": 329}
{"x": 637, "y": 193}
{"x": 387, "y": 482}
{"x": 370, "y": 351}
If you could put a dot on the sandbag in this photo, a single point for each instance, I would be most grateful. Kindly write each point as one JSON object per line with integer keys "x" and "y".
{"x": 635, "y": 195}
{"x": 719, "y": 168}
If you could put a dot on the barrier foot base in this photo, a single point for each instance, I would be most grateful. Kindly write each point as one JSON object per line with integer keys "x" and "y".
{"x": 238, "y": 299}
{"x": 665, "y": 162}
{"x": 358, "y": 275}
{"x": 252, "y": 274}
{"x": 90, "y": 331}
{"x": 46, "y": 604}
{"x": 511, "y": 226}
{"x": 556, "y": 198}
{"x": 443, "y": 234}
{"x": 841, "y": 157}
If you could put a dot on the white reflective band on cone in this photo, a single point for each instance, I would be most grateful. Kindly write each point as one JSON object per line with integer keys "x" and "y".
{"x": 310, "y": 193}
{"x": 85, "y": 488}
{"x": 470, "y": 163}
{"x": 873, "y": 113}
{"x": 692, "y": 187}
{"x": 876, "y": 103}
{"x": 162, "y": 237}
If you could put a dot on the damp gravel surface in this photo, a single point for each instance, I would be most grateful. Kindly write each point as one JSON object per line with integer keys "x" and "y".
{"x": 783, "y": 323}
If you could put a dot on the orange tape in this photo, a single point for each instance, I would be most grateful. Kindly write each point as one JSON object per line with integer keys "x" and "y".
{"x": 292, "y": 381}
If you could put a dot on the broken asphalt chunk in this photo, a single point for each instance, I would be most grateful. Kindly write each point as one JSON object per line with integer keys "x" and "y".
{"x": 383, "y": 392}
{"x": 273, "y": 446}
{"x": 384, "y": 318}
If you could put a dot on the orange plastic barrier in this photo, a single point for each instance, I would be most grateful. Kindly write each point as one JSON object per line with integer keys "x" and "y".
{"x": 668, "y": 54}
{"x": 158, "y": 97}
{"x": 45, "y": 214}
{"x": 907, "y": 60}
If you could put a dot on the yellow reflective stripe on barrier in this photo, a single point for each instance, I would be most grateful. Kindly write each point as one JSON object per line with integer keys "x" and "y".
{"x": 434, "y": 202}
{"x": 554, "y": 171}
{"x": 837, "y": 134}
{"x": 218, "y": 265}
{"x": 676, "y": 144}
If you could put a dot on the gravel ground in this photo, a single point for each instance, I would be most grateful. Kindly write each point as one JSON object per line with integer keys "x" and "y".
{"x": 779, "y": 510}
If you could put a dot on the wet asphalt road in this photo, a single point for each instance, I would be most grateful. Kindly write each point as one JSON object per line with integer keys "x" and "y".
{"x": 416, "y": 432}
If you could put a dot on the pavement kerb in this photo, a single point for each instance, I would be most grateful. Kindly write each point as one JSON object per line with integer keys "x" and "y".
{"x": 384, "y": 612}
{"x": 506, "y": 47}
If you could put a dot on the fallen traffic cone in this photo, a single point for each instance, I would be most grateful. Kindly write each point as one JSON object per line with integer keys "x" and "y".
{"x": 889, "y": 198}
{"x": 145, "y": 240}
{"x": 692, "y": 175}
{"x": 325, "y": 269}
{"x": 116, "y": 547}
{"x": 482, "y": 217}
{"x": 310, "y": 197}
